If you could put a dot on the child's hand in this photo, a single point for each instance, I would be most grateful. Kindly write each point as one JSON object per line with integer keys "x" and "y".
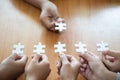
{"x": 49, "y": 15}
{"x": 93, "y": 69}
{"x": 112, "y": 63}
{"x": 38, "y": 68}
{"x": 12, "y": 67}
{"x": 68, "y": 67}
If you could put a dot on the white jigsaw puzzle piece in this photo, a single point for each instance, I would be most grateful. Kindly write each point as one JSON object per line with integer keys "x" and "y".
{"x": 39, "y": 48}
{"x": 60, "y": 26}
{"x": 18, "y": 48}
{"x": 80, "y": 47}
{"x": 60, "y": 48}
{"x": 102, "y": 46}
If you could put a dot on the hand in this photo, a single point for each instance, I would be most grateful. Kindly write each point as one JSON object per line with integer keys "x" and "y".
{"x": 12, "y": 67}
{"x": 49, "y": 15}
{"x": 113, "y": 62}
{"x": 38, "y": 68}
{"x": 93, "y": 69}
{"x": 68, "y": 67}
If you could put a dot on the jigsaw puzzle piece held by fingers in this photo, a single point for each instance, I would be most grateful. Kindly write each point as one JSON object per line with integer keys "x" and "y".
{"x": 81, "y": 48}
{"x": 39, "y": 48}
{"x": 60, "y": 48}
{"x": 18, "y": 49}
{"x": 60, "y": 25}
{"x": 102, "y": 46}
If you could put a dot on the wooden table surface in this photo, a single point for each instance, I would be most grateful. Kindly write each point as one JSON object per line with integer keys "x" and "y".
{"x": 89, "y": 21}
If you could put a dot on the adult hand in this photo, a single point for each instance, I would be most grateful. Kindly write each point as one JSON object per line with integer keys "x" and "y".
{"x": 68, "y": 67}
{"x": 38, "y": 68}
{"x": 12, "y": 67}
{"x": 112, "y": 62}
{"x": 93, "y": 69}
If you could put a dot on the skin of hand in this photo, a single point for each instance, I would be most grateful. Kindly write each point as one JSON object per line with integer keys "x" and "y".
{"x": 93, "y": 69}
{"x": 12, "y": 67}
{"x": 68, "y": 67}
{"x": 38, "y": 68}
{"x": 112, "y": 65}
{"x": 49, "y": 15}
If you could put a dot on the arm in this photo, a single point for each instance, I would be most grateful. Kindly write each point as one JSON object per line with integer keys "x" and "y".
{"x": 37, "y": 3}
{"x": 49, "y": 14}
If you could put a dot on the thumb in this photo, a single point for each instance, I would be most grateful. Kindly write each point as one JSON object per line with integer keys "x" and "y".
{"x": 63, "y": 58}
{"x": 44, "y": 58}
{"x": 111, "y": 53}
{"x": 23, "y": 59}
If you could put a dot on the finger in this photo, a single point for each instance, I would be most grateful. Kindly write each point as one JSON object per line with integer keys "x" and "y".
{"x": 112, "y": 53}
{"x": 23, "y": 59}
{"x": 52, "y": 28}
{"x": 12, "y": 58}
{"x": 69, "y": 57}
{"x": 49, "y": 24}
{"x": 110, "y": 58}
{"x": 63, "y": 58}
{"x": 105, "y": 61}
{"x": 87, "y": 56}
{"x": 84, "y": 66}
{"x": 60, "y": 20}
{"x": 82, "y": 60}
{"x": 47, "y": 20}
{"x": 44, "y": 58}
{"x": 59, "y": 65}
{"x": 82, "y": 70}
{"x": 15, "y": 57}
{"x": 74, "y": 60}
{"x": 36, "y": 58}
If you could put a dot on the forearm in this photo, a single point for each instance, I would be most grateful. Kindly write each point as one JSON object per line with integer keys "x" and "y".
{"x": 37, "y": 3}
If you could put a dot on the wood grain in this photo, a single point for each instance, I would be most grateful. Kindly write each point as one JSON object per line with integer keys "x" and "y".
{"x": 89, "y": 21}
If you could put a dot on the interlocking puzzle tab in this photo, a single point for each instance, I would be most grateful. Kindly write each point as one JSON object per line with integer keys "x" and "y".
{"x": 81, "y": 48}
{"x": 39, "y": 48}
{"x": 18, "y": 48}
{"x": 102, "y": 46}
{"x": 60, "y": 25}
{"x": 60, "y": 48}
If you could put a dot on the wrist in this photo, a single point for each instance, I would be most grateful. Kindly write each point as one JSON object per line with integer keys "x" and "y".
{"x": 42, "y": 3}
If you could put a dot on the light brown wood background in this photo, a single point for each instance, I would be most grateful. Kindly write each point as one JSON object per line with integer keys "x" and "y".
{"x": 89, "y": 21}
